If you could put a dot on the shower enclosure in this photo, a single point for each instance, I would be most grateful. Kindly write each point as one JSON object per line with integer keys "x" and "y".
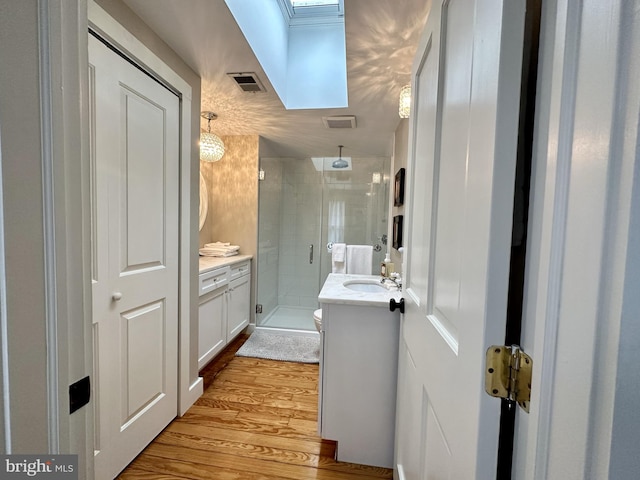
{"x": 304, "y": 206}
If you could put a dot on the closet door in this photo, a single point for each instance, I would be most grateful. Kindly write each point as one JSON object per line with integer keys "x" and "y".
{"x": 135, "y": 257}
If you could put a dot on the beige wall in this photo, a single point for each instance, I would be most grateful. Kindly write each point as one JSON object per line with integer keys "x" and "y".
{"x": 233, "y": 194}
{"x": 233, "y": 198}
{"x": 400, "y": 154}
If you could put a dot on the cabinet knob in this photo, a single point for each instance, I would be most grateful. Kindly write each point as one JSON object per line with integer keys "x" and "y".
{"x": 399, "y": 305}
{"x": 116, "y": 296}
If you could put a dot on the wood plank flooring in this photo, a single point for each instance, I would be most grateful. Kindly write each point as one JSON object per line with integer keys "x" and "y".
{"x": 257, "y": 420}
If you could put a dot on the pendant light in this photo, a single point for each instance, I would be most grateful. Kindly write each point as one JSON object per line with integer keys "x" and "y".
{"x": 211, "y": 147}
{"x": 340, "y": 162}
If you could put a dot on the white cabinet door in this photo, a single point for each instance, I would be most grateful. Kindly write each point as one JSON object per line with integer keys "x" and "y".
{"x": 212, "y": 334}
{"x": 466, "y": 89}
{"x": 358, "y": 381}
{"x": 135, "y": 137}
{"x": 239, "y": 306}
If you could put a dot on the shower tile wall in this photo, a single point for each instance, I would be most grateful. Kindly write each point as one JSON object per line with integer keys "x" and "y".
{"x": 365, "y": 201}
{"x": 299, "y": 279}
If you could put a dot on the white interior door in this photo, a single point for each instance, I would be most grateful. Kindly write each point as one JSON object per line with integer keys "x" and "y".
{"x": 135, "y": 257}
{"x": 463, "y": 138}
{"x": 583, "y": 272}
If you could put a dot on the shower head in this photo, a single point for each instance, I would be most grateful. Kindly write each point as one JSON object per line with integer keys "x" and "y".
{"x": 340, "y": 162}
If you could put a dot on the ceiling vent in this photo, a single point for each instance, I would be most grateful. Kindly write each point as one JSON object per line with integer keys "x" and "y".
{"x": 340, "y": 121}
{"x": 247, "y": 82}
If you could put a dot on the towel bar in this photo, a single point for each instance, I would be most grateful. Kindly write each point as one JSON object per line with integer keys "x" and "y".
{"x": 376, "y": 247}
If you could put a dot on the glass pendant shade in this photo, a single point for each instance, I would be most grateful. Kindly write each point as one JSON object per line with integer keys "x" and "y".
{"x": 404, "y": 107}
{"x": 211, "y": 147}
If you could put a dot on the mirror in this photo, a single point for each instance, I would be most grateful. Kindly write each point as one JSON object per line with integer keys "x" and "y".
{"x": 204, "y": 201}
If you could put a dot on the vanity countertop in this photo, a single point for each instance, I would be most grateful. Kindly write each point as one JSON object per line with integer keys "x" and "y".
{"x": 333, "y": 291}
{"x": 211, "y": 263}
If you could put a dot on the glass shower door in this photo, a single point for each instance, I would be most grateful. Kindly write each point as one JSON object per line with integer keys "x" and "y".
{"x": 290, "y": 210}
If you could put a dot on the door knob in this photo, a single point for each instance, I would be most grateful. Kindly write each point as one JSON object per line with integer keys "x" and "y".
{"x": 399, "y": 305}
{"x": 116, "y": 296}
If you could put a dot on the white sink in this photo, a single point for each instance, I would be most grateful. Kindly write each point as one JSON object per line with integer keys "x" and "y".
{"x": 369, "y": 286}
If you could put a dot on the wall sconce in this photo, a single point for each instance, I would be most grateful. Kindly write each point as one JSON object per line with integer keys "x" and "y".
{"x": 211, "y": 147}
{"x": 404, "y": 107}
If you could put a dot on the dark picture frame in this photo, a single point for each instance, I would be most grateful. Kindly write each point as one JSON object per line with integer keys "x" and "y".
{"x": 397, "y": 231}
{"x": 398, "y": 188}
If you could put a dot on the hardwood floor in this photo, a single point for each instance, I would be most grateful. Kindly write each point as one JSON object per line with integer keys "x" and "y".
{"x": 257, "y": 420}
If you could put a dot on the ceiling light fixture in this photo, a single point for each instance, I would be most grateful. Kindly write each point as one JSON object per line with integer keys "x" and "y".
{"x": 340, "y": 162}
{"x": 211, "y": 147}
{"x": 404, "y": 107}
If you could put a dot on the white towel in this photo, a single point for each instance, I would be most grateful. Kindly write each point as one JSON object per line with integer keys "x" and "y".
{"x": 219, "y": 249}
{"x": 217, "y": 244}
{"x": 359, "y": 258}
{"x": 338, "y": 254}
{"x": 215, "y": 252}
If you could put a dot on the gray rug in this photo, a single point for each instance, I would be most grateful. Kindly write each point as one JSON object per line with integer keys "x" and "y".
{"x": 288, "y": 348}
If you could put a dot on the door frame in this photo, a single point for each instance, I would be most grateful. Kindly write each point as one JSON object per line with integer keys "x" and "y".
{"x": 52, "y": 347}
{"x": 190, "y": 385}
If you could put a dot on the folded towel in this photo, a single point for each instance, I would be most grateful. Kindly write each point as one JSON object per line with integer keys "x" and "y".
{"x": 217, "y": 244}
{"x": 338, "y": 254}
{"x": 359, "y": 259}
{"x": 212, "y": 252}
{"x": 219, "y": 249}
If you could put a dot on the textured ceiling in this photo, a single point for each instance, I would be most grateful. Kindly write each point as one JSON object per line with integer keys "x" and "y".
{"x": 381, "y": 38}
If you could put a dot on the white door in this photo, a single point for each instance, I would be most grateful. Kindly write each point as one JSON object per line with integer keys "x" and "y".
{"x": 135, "y": 257}
{"x": 462, "y": 144}
{"x": 583, "y": 273}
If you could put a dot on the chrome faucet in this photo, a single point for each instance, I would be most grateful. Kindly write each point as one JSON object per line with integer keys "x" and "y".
{"x": 395, "y": 278}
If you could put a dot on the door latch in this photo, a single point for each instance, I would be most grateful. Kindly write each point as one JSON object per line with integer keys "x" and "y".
{"x": 508, "y": 374}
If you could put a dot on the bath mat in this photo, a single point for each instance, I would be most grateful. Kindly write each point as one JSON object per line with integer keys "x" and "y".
{"x": 287, "y": 348}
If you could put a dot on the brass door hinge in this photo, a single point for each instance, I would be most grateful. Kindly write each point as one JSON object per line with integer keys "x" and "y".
{"x": 508, "y": 374}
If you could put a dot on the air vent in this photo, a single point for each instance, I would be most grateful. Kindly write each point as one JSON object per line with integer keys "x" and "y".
{"x": 340, "y": 121}
{"x": 247, "y": 82}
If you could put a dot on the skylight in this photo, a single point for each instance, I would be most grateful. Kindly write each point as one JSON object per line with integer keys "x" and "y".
{"x": 312, "y": 3}
{"x": 303, "y": 11}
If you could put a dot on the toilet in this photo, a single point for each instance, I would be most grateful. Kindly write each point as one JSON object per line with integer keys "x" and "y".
{"x": 317, "y": 319}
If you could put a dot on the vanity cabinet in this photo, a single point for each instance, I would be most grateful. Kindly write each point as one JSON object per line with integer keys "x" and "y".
{"x": 212, "y": 331}
{"x": 224, "y": 307}
{"x": 358, "y": 372}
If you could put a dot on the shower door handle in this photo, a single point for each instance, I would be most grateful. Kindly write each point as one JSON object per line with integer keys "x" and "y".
{"x": 311, "y": 253}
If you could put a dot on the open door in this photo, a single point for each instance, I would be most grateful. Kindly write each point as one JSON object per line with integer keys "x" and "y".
{"x": 463, "y": 146}
{"x": 581, "y": 303}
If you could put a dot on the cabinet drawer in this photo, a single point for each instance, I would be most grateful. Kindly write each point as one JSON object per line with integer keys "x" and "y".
{"x": 209, "y": 281}
{"x": 240, "y": 269}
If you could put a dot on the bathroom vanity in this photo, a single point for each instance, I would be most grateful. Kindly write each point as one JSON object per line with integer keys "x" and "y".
{"x": 358, "y": 368}
{"x": 223, "y": 309}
